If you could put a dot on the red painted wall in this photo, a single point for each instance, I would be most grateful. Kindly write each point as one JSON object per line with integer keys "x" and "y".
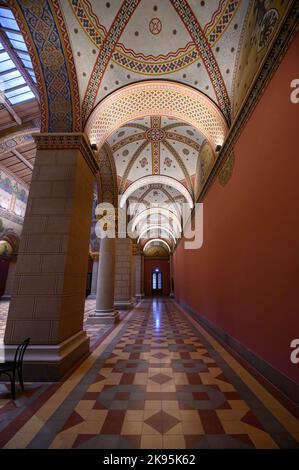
{"x": 245, "y": 277}
{"x": 149, "y": 266}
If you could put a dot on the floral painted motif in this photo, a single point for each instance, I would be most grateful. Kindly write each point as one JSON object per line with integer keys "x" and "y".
{"x": 143, "y": 162}
{"x": 168, "y": 162}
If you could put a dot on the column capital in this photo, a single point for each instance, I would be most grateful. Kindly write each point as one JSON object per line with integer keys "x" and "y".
{"x": 68, "y": 140}
{"x": 136, "y": 249}
{"x": 94, "y": 256}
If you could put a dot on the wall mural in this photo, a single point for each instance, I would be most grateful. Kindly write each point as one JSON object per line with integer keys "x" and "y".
{"x": 263, "y": 23}
{"x": 205, "y": 162}
{"x": 13, "y": 201}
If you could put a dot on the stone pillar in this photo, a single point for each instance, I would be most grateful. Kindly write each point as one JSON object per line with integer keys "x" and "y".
{"x": 142, "y": 275}
{"x": 171, "y": 275}
{"x": 123, "y": 266}
{"x": 138, "y": 274}
{"x": 133, "y": 271}
{"x": 94, "y": 276}
{"x": 48, "y": 298}
{"x": 10, "y": 278}
{"x": 105, "y": 312}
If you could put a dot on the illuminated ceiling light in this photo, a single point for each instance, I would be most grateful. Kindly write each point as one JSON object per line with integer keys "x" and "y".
{"x": 163, "y": 242}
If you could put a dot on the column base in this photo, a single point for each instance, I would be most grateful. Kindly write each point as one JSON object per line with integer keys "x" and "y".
{"x": 104, "y": 317}
{"x": 51, "y": 362}
{"x": 91, "y": 297}
{"x": 5, "y": 297}
{"x": 171, "y": 295}
{"x": 124, "y": 304}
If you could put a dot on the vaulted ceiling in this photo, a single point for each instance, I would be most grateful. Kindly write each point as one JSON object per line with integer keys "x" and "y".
{"x": 155, "y": 84}
{"x": 118, "y": 43}
{"x": 156, "y": 145}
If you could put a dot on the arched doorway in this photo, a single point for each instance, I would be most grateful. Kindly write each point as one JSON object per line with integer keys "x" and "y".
{"x": 157, "y": 282}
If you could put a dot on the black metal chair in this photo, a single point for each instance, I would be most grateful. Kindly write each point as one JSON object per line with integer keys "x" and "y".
{"x": 11, "y": 368}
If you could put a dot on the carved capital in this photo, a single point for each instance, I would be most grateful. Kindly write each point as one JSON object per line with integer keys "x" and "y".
{"x": 94, "y": 256}
{"x": 73, "y": 140}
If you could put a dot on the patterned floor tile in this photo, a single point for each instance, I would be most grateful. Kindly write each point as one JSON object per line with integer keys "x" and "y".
{"x": 157, "y": 384}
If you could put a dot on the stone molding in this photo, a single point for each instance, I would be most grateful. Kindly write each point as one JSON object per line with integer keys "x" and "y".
{"x": 73, "y": 140}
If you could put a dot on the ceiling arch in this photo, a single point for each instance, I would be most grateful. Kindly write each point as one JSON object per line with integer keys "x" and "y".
{"x": 46, "y": 36}
{"x": 159, "y": 98}
{"x": 156, "y": 210}
{"x": 156, "y": 227}
{"x": 154, "y": 240}
{"x": 107, "y": 176}
{"x": 146, "y": 180}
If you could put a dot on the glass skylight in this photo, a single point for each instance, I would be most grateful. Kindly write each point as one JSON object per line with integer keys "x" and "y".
{"x": 12, "y": 81}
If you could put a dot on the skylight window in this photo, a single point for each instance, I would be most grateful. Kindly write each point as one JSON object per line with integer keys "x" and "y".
{"x": 15, "y": 63}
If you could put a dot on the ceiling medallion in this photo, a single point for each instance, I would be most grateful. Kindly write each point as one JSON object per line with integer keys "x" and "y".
{"x": 155, "y": 26}
{"x": 155, "y": 134}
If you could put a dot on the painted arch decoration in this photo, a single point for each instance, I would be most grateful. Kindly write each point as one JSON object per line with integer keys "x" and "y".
{"x": 147, "y": 180}
{"x": 156, "y": 241}
{"x": 169, "y": 215}
{"x": 46, "y": 37}
{"x": 157, "y": 98}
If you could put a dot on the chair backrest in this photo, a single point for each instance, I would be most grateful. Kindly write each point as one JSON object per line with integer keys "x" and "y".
{"x": 19, "y": 354}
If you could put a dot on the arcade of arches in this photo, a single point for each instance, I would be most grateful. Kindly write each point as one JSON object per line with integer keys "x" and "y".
{"x": 146, "y": 113}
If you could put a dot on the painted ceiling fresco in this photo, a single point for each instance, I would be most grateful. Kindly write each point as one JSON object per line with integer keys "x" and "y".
{"x": 155, "y": 84}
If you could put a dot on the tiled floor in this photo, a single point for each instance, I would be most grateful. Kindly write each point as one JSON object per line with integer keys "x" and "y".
{"x": 157, "y": 380}
{"x": 95, "y": 332}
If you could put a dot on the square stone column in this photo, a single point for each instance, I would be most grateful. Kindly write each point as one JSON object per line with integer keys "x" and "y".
{"x": 10, "y": 279}
{"x": 138, "y": 273}
{"x": 48, "y": 297}
{"x": 123, "y": 274}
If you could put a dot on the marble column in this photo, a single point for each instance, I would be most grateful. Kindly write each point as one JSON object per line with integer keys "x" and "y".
{"x": 94, "y": 276}
{"x": 105, "y": 311}
{"x": 48, "y": 296}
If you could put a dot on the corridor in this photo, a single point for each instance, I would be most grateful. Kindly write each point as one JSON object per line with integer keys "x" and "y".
{"x": 156, "y": 380}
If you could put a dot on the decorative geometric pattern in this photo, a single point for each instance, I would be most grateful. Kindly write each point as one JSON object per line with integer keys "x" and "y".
{"x": 159, "y": 98}
{"x": 120, "y": 21}
{"x": 160, "y": 382}
{"x": 162, "y": 63}
{"x": 48, "y": 43}
{"x": 220, "y": 20}
{"x": 154, "y": 134}
{"x": 127, "y": 140}
{"x": 155, "y": 26}
{"x": 189, "y": 20}
{"x": 107, "y": 176}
